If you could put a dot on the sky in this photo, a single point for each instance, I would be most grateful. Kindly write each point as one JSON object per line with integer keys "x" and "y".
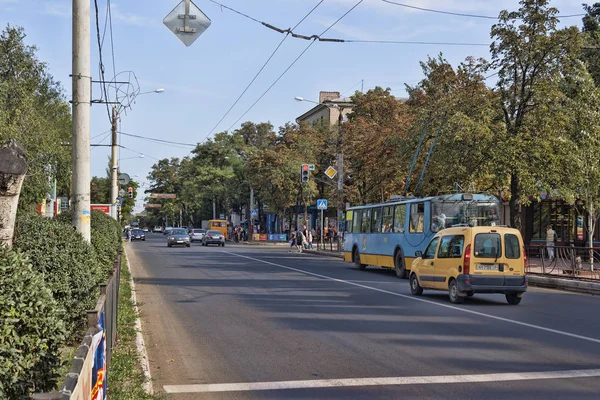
{"x": 201, "y": 82}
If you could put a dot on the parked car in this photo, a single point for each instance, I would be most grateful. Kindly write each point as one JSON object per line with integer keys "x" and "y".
{"x": 467, "y": 260}
{"x": 138, "y": 234}
{"x": 196, "y": 235}
{"x": 145, "y": 229}
{"x": 213, "y": 237}
{"x": 157, "y": 229}
{"x": 178, "y": 236}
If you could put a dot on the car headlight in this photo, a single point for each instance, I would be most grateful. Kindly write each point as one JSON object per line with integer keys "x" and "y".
{"x": 171, "y": 238}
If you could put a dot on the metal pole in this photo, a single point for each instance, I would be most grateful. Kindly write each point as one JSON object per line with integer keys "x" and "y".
{"x": 340, "y": 172}
{"x": 180, "y": 217}
{"x": 322, "y": 228}
{"x": 114, "y": 188}
{"x": 251, "y": 218}
{"x": 80, "y": 134}
{"x": 214, "y": 209}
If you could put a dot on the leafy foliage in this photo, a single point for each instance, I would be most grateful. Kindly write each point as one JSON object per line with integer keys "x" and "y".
{"x": 31, "y": 329}
{"x": 70, "y": 266}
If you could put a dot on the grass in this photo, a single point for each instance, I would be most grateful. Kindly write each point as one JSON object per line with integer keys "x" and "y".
{"x": 125, "y": 377}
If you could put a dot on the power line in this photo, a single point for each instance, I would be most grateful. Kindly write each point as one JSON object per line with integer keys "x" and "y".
{"x": 415, "y": 42}
{"x": 143, "y": 154}
{"x": 462, "y": 14}
{"x": 100, "y": 63}
{"x": 292, "y": 64}
{"x": 158, "y": 140}
{"x": 259, "y": 71}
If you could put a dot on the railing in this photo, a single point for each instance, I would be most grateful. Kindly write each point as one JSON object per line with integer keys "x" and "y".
{"x": 565, "y": 261}
{"x": 91, "y": 365}
{"x": 329, "y": 244}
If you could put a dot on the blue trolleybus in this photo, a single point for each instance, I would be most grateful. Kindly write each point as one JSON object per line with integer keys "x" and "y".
{"x": 389, "y": 234}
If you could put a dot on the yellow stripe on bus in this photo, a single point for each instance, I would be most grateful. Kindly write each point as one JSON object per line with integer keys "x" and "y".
{"x": 378, "y": 260}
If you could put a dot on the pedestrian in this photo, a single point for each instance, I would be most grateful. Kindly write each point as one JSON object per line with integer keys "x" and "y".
{"x": 550, "y": 240}
{"x": 292, "y": 241}
{"x": 310, "y": 239}
{"x": 128, "y": 234}
{"x": 299, "y": 240}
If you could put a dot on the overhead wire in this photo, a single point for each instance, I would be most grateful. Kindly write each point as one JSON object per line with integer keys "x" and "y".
{"x": 259, "y": 71}
{"x": 457, "y": 14}
{"x": 100, "y": 62}
{"x": 158, "y": 140}
{"x": 292, "y": 64}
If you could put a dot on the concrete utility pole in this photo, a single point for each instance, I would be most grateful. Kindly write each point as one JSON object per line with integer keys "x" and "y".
{"x": 114, "y": 172}
{"x": 250, "y": 219}
{"x": 13, "y": 167}
{"x": 340, "y": 200}
{"x": 80, "y": 136}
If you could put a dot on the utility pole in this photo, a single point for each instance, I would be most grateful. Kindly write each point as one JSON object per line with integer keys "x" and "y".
{"x": 214, "y": 209}
{"x": 80, "y": 134}
{"x": 114, "y": 188}
{"x": 340, "y": 187}
{"x": 251, "y": 218}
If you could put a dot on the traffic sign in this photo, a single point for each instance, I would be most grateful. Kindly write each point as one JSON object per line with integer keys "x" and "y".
{"x": 121, "y": 193}
{"x": 311, "y": 167}
{"x": 163, "y": 195}
{"x": 187, "y": 25}
{"x": 254, "y": 212}
{"x": 330, "y": 172}
{"x": 124, "y": 179}
{"x": 322, "y": 204}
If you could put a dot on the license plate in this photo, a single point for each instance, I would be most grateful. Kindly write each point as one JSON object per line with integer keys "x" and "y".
{"x": 487, "y": 267}
{"x": 180, "y": 241}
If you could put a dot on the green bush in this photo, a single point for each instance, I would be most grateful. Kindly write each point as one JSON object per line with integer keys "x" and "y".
{"x": 70, "y": 266}
{"x": 31, "y": 329}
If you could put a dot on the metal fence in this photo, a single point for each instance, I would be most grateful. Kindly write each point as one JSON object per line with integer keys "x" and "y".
{"x": 566, "y": 261}
{"x": 329, "y": 244}
{"x": 91, "y": 365}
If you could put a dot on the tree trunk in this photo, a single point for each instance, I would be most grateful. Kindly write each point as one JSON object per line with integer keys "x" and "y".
{"x": 515, "y": 203}
{"x": 12, "y": 172}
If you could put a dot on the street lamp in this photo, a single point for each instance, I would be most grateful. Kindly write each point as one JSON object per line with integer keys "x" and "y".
{"x": 340, "y": 185}
{"x": 130, "y": 158}
{"x": 159, "y": 90}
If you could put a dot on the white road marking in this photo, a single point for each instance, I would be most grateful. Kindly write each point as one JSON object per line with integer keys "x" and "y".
{"x": 414, "y": 298}
{"x": 400, "y": 380}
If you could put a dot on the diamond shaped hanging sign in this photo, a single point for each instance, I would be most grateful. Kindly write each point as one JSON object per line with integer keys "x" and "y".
{"x": 187, "y": 26}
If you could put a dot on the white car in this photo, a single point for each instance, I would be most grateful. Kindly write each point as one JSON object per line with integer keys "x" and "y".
{"x": 196, "y": 235}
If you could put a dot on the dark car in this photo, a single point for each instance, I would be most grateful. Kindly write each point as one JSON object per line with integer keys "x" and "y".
{"x": 178, "y": 236}
{"x": 138, "y": 234}
{"x": 196, "y": 235}
{"x": 213, "y": 237}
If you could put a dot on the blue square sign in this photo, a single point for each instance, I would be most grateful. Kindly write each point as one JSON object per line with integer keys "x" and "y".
{"x": 322, "y": 204}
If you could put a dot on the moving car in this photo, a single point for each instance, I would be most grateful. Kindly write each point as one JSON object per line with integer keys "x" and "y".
{"x": 138, "y": 234}
{"x": 167, "y": 230}
{"x": 465, "y": 260}
{"x": 178, "y": 236}
{"x": 213, "y": 237}
{"x": 157, "y": 229}
{"x": 196, "y": 235}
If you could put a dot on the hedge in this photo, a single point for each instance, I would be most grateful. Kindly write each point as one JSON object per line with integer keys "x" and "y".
{"x": 31, "y": 329}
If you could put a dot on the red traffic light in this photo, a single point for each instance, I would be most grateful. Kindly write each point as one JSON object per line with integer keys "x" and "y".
{"x": 130, "y": 189}
{"x": 304, "y": 167}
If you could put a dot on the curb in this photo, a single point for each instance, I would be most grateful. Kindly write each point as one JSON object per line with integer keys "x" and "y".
{"x": 141, "y": 346}
{"x": 565, "y": 284}
{"x": 324, "y": 253}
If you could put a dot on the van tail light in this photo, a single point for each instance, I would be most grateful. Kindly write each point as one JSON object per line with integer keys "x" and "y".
{"x": 209, "y": 237}
{"x": 467, "y": 260}
{"x": 524, "y": 258}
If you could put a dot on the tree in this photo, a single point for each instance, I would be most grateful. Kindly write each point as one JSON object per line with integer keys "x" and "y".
{"x": 529, "y": 52}
{"x": 34, "y": 112}
{"x": 591, "y": 40}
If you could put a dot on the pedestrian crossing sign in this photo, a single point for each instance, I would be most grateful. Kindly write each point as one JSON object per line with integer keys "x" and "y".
{"x": 322, "y": 204}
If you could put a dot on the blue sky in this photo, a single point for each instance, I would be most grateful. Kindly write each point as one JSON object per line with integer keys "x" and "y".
{"x": 202, "y": 81}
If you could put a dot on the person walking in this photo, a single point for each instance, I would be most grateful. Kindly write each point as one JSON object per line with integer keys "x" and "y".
{"x": 299, "y": 240}
{"x": 292, "y": 240}
{"x": 128, "y": 234}
{"x": 310, "y": 240}
{"x": 550, "y": 241}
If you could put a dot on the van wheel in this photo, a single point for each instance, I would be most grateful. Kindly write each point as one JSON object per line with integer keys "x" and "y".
{"x": 399, "y": 266}
{"x": 513, "y": 299}
{"x": 415, "y": 288}
{"x": 356, "y": 258}
{"x": 453, "y": 293}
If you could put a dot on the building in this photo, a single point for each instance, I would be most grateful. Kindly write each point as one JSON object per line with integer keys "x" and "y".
{"x": 327, "y": 112}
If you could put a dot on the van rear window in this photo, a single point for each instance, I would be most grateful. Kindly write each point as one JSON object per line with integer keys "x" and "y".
{"x": 487, "y": 245}
{"x": 512, "y": 249}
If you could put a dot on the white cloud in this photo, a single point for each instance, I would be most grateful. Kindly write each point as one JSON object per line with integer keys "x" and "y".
{"x": 57, "y": 8}
{"x": 132, "y": 19}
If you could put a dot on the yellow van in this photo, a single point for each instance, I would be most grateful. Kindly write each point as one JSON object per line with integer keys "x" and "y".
{"x": 466, "y": 260}
{"x": 218, "y": 225}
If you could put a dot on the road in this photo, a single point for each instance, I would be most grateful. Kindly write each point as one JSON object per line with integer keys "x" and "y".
{"x": 255, "y": 322}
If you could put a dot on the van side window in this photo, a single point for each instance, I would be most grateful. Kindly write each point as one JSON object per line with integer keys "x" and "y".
{"x": 451, "y": 246}
{"x": 376, "y": 224}
{"x": 399, "y": 218}
{"x": 487, "y": 245}
{"x": 512, "y": 249}
{"x": 388, "y": 218}
{"x": 431, "y": 248}
{"x": 356, "y": 221}
{"x": 366, "y": 221}
{"x": 417, "y": 217}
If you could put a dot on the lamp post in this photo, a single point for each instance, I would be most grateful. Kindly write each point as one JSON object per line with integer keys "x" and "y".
{"x": 340, "y": 157}
{"x": 114, "y": 187}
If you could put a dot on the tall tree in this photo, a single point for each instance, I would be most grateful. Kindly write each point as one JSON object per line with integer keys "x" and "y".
{"x": 529, "y": 52}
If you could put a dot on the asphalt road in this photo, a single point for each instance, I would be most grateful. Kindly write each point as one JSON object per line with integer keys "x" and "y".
{"x": 254, "y": 322}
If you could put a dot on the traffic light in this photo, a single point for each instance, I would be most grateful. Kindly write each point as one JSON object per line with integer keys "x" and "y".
{"x": 304, "y": 173}
{"x": 130, "y": 191}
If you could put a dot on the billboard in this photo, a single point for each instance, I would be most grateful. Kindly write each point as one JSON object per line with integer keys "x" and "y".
{"x": 105, "y": 208}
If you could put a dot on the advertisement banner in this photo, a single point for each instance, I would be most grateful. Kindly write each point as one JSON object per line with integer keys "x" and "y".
{"x": 105, "y": 208}
{"x": 263, "y": 237}
{"x": 99, "y": 369}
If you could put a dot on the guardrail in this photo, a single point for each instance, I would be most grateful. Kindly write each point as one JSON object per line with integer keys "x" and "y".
{"x": 565, "y": 261}
{"x": 329, "y": 244}
{"x": 89, "y": 371}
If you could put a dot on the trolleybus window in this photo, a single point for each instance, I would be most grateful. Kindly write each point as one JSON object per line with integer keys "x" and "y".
{"x": 417, "y": 217}
{"x": 387, "y": 219}
{"x": 366, "y": 220}
{"x": 376, "y": 224}
{"x": 399, "y": 218}
{"x": 356, "y": 222}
